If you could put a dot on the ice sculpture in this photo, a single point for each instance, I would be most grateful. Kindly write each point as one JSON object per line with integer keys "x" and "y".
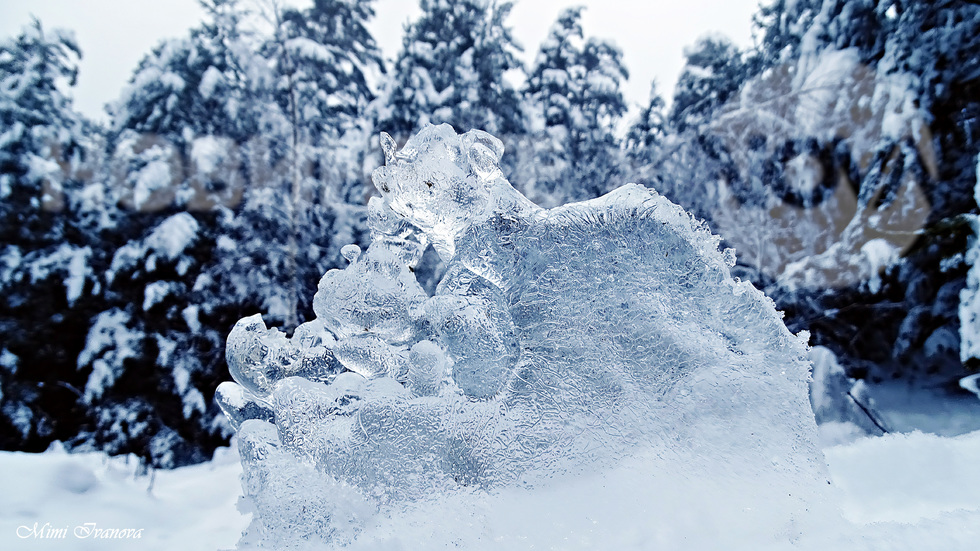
{"x": 559, "y": 342}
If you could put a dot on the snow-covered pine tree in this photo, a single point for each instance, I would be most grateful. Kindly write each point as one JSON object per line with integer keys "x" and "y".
{"x": 322, "y": 58}
{"x": 180, "y": 147}
{"x": 451, "y": 70}
{"x": 713, "y": 71}
{"x": 234, "y": 154}
{"x": 931, "y": 46}
{"x": 779, "y": 27}
{"x": 549, "y": 93}
{"x": 902, "y": 140}
{"x": 647, "y": 133}
{"x": 199, "y": 87}
{"x": 41, "y": 132}
{"x": 575, "y": 101}
{"x": 49, "y": 254}
{"x": 645, "y": 141}
{"x": 598, "y": 157}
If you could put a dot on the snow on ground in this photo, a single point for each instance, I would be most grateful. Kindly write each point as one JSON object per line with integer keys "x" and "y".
{"x": 62, "y": 494}
{"x": 901, "y": 408}
{"x": 907, "y": 477}
{"x": 900, "y": 491}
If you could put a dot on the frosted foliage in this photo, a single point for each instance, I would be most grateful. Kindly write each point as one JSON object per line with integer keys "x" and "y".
{"x": 559, "y": 342}
{"x": 969, "y": 309}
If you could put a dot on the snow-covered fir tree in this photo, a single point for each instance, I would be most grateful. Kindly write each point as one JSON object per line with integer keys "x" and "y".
{"x": 324, "y": 56}
{"x": 322, "y": 59}
{"x": 713, "y": 71}
{"x": 842, "y": 157}
{"x": 233, "y": 167}
{"x": 575, "y": 98}
{"x": 199, "y": 83}
{"x": 779, "y": 28}
{"x": 41, "y": 132}
{"x": 645, "y": 140}
{"x": 451, "y": 69}
{"x": 179, "y": 147}
{"x": 182, "y": 97}
{"x": 49, "y": 250}
{"x": 904, "y": 141}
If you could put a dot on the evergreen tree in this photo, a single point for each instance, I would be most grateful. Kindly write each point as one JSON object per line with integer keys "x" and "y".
{"x": 597, "y": 156}
{"x": 713, "y": 72}
{"x": 49, "y": 253}
{"x": 231, "y": 166}
{"x": 882, "y": 163}
{"x": 779, "y": 27}
{"x": 322, "y": 57}
{"x": 574, "y": 94}
{"x": 550, "y": 82}
{"x": 451, "y": 69}
{"x": 200, "y": 83}
{"x": 645, "y": 140}
{"x": 650, "y": 127}
{"x": 932, "y": 47}
{"x": 41, "y": 133}
{"x": 153, "y": 354}
{"x": 190, "y": 103}
{"x": 180, "y": 150}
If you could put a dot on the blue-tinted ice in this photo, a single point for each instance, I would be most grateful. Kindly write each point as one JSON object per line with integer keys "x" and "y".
{"x": 559, "y": 342}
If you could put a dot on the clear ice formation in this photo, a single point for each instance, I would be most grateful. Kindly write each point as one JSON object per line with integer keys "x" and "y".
{"x": 558, "y": 342}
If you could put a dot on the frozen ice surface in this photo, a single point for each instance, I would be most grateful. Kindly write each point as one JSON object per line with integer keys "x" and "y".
{"x": 560, "y": 343}
{"x": 258, "y": 357}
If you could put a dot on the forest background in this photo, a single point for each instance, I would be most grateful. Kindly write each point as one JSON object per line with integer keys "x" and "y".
{"x": 838, "y": 155}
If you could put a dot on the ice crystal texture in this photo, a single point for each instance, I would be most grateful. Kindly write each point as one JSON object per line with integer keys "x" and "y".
{"x": 559, "y": 343}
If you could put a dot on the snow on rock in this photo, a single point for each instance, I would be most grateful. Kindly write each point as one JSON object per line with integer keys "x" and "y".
{"x": 598, "y": 339}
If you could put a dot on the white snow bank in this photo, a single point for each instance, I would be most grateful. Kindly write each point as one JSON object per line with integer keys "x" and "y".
{"x": 907, "y": 477}
{"x": 56, "y": 494}
{"x": 918, "y": 490}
